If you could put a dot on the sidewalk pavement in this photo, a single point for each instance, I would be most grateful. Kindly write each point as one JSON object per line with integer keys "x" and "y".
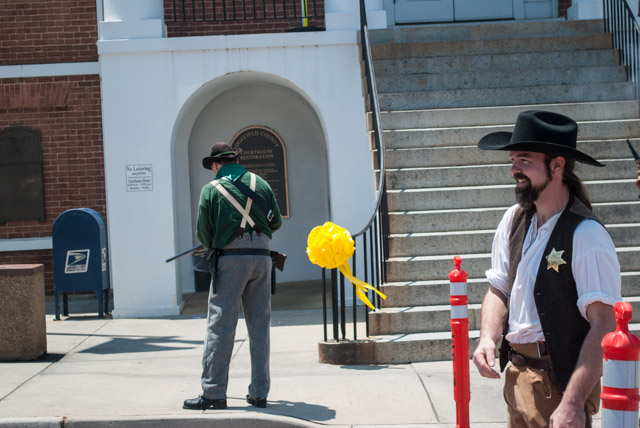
{"x": 137, "y": 372}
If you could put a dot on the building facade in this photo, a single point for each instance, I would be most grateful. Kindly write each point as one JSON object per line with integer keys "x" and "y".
{"x": 127, "y": 96}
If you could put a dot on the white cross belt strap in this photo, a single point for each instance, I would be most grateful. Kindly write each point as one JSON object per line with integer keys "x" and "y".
{"x": 252, "y": 186}
{"x": 246, "y": 218}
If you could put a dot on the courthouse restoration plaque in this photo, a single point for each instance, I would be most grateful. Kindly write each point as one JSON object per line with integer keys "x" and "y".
{"x": 263, "y": 153}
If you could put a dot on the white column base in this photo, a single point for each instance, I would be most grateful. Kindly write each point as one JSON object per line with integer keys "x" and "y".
{"x": 585, "y": 9}
{"x": 345, "y": 15}
{"x": 126, "y": 30}
{"x": 128, "y": 19}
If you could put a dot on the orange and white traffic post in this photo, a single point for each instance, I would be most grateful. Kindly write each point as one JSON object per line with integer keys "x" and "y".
{"x": 620, "y": 383}
{"x": 460, "y": 337}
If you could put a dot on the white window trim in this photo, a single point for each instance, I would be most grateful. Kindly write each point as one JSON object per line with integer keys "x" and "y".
{"x": 28, "y": 244}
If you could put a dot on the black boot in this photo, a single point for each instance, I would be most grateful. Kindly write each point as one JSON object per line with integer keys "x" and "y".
{"x": 201, "y": 403}
{"x": 257, "y": 402}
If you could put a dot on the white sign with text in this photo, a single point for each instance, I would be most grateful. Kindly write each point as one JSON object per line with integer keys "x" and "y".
{"x": 139, "y": 178}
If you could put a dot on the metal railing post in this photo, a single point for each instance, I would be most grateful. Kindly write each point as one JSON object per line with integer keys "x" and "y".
{"x": 334, "y": 303}
{"x": 353, "y": 293}
{"x": 620, "y": 22}
{"x": 324, "y": 302}
{"x": 343, "y": 309}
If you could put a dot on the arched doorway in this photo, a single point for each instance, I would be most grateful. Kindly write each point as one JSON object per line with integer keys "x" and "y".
{"x": 216, "y": 112}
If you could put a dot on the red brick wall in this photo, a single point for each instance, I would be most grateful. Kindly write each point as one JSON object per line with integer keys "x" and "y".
{"x": 563, "y": 5}
{"x": 43, "y": 257}
{"x": 184, "y": 26}
{"x": 67, "y": 112}
{"x": 48, "y": 31}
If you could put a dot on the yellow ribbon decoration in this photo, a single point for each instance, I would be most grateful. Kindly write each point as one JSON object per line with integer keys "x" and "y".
{"x": 331, "y": 246}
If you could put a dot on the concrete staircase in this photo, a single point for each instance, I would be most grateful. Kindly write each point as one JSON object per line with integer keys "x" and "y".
{"x": 441, "y": 89}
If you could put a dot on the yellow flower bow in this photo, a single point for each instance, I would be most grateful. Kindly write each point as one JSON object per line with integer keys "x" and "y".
{"x": 331, "y": 246}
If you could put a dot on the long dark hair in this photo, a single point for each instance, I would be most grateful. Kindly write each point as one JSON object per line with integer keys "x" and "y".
{"x": 572, "y": 181}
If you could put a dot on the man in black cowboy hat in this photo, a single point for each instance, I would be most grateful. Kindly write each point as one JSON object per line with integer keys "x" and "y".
{"x": 553, "y": 281}
{"x": 237, "y": 229}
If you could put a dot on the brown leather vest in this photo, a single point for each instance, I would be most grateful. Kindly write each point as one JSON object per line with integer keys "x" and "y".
{"x": 555, "y": 293}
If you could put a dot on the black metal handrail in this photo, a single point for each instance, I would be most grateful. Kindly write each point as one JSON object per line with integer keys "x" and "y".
{"x": 373, "y": 238}
{"x": 241, "y": 10}
{"x": 619, "y": 20}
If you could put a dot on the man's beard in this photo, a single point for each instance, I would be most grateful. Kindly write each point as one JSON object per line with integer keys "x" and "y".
{"x": 526, "y": 196}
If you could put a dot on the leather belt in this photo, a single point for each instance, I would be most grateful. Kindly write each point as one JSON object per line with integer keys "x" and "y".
{"x": 534, "y": 363}
{"x": 244, "y": 252}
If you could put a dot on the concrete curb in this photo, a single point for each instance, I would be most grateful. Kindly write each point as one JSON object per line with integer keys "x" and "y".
{"x": 55, "y": 422}
{"x": 203, "y": 420}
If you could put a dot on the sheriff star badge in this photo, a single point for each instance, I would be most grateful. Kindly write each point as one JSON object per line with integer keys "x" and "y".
{"x": 554, "y": 260}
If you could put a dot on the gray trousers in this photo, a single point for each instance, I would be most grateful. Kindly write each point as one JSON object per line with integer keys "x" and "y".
{"x": 241, "y": 281}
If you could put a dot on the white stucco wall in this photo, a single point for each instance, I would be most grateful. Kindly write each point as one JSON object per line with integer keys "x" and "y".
{"x": 146, "y": 85}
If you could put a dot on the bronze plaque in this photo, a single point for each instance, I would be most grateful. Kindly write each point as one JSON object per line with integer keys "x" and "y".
{"x": 263, "y": 153}
{"x": 21, "y": 185}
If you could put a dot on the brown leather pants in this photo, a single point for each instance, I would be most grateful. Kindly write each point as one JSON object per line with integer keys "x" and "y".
{"x": 532, "y": 397}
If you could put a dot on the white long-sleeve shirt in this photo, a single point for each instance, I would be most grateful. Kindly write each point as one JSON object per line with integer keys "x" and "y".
{"x": 594, "y": 265}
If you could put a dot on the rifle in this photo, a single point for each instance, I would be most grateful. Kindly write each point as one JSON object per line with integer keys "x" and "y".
{"x": 634, "y": 153}
{"x": 635, "y": 156}
{"x": 184, "y": 253}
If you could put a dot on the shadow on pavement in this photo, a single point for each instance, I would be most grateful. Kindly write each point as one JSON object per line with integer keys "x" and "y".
{"x": 297, "y": 409}
{"x": 121, "y": 345}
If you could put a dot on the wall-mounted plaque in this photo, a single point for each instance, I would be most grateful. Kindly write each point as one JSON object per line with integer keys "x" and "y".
{"x": 21, "y": 183}
{"x": 139, "y": 178}
{"x": 263, "y": 153}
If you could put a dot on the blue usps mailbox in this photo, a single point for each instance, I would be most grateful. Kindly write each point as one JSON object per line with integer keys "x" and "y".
{"x": 80, "y": 259}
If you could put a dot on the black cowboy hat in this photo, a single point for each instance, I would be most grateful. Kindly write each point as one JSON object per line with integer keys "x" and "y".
{"x": 220, "y": 150}
{"x": 541, "y": 132}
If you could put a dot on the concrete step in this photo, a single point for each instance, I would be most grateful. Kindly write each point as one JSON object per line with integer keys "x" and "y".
{"x": 470, "y": 135}
{"x": 497, "y": 61}
{"x": 480, "y": 241}
{"x": 418, "y": 319}
{"x": 437, "y": 318}
{"x": 485, "y": 31}
{"x": 412, "y": 178}
{"x": 507, "y": 96}
{"x": 545, "y": 43}
{"x": 505, "y": 115}
{"x": 501, "y": 79}
{"x": 393, "y": 349}
{"x": 421, "y": 268}
{"x": 488, "y": 218}
{"x": 415, "y": 347}
{"x": 436, "y": 243}
{"x": 470, "y": 155}
{"x": 495, "y": 195}
{"x": 436, "y": 292}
